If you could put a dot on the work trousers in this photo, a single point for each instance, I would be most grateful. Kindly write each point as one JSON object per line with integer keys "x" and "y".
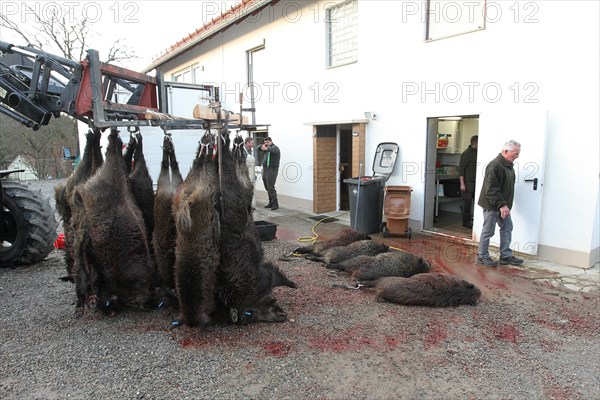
{"x": 467, "y": 202}
{"x": 269, "y": 177}
{"x": 490, "y": 219}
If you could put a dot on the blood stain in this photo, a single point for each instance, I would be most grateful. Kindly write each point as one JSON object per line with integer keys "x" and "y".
{"x": 277, "y": 349}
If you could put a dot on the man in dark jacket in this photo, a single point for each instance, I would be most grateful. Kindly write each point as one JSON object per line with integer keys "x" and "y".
{"x": 496, "y": 199}
{"x": 270, "y": 163}
{"x": 468, "y": 169}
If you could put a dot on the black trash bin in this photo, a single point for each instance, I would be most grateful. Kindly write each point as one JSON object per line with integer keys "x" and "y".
{"x": 366, "y": 192}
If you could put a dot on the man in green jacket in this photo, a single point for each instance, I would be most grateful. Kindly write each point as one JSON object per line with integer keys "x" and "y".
{"x": 496, "y": 199}
{"x": 271, "y": 158}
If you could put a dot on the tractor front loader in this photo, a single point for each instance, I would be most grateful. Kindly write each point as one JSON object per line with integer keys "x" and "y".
{"x": 36, "y": 86}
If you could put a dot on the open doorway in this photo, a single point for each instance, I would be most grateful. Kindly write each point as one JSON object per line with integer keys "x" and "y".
{"x": 337, "y": 151}
{"x": 447, "y": 138}
{"x": 345, "y": 166}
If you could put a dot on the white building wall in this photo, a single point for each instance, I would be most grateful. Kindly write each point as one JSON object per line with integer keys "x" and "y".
{"x": 548, "y": 54}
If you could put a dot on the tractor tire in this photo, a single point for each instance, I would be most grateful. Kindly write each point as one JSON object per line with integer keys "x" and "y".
{"x": 29, "y": 230}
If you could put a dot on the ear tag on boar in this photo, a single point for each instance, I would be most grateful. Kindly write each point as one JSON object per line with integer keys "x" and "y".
{"x": 176, "y": 324}
{"x": 248, "y": 313}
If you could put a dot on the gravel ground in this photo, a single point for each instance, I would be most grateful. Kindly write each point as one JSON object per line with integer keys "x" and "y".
{"x": 523, "y": 341}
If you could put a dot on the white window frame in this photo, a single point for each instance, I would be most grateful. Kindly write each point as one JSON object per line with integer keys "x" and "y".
{"x": 445, "y": 18}
{"x": 190, "y": 70}
{"x": 342, "y": 33}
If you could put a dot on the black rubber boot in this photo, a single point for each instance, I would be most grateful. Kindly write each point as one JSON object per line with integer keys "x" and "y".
{"x": 269, "y": 205}
{"x": 275, "y": 205}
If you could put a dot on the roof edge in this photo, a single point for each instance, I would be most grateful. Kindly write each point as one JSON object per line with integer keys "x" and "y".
{"x": 216, "y": 25}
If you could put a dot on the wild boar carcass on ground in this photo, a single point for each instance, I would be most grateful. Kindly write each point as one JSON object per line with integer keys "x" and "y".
{"x": 165, "y": 233}
{"x": 113, "y": 264}
{"x": 91, "y": 160}
{"x": 340, "y": 253}
{"x": 408, "y": 260}
{"x": 433, "y": 290}
{"x": 393, "y": 263}
{"x": 342, "y": 238}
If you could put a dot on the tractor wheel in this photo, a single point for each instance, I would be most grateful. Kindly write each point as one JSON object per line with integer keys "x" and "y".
{"x": 28, "y": 228}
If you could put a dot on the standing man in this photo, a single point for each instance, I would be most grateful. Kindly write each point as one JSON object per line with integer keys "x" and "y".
{"x": 270, "y": 165}
{"x": 468, "y": 169}
{"x": 496, "y": 199}
{"x": 250, "y": 164}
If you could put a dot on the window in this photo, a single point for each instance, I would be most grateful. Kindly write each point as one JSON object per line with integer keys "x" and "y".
{"x": 189, "y": 74}
{"x": 255, "y": 65}
{"x": 342, "y": 21}
{"x": 450, "y": 18}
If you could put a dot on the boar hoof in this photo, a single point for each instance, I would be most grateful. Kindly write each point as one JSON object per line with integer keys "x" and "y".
{"x": 233, "y": 313}
{"x": 78, "y": 312}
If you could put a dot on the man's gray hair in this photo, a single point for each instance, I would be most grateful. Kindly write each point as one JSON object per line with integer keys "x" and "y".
{"x": 511, "y": 145}
{"x": 248, "y": 139}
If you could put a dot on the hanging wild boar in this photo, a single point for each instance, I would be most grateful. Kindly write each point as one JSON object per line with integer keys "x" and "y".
{"x": 91, "y": 160}
{"x": 245, "y": 283}
{"x": 140, "y": 181}
{"x": 164, "y": 235}
{"x": 198, "y": 235}
{"x": 113, "y": 264}
{"x": 216, "y": 234}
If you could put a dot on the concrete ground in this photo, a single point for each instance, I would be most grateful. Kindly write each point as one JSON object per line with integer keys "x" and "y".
{"x": 449, "y": 256}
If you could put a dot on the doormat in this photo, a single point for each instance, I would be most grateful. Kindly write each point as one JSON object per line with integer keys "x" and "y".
{"x": 321, "y": 217}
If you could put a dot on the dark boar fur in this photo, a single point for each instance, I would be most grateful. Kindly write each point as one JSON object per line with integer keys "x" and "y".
{"x": 197, "y": 250}
{"x": 343, "y": 238}
{"x": 433, "y": 290}
{"x": 141, "y": 183}
{"x": 128, "y": 154}
{"x": 165, "y": 232}
{"x": 340, "y": 253}
{"x": 91, "y": 160}
{"x": 395, "y": 263}
{"x": 365, "y": 262}
{"x": 113, "y": 264}
{"x": 245, "y": 282}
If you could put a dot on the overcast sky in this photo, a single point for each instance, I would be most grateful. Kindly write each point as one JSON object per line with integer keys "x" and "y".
{"x": 149, "y": 27}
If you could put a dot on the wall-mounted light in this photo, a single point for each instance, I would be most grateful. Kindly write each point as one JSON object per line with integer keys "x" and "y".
{"x": 370, "y": 115}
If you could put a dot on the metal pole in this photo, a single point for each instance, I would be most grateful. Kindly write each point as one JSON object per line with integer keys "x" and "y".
{"x": 220, "y": 148}
{"x": 360, "y": 164}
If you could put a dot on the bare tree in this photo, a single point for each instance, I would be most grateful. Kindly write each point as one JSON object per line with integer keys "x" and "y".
{"x": 57, "y": 30}
{"x": 42, "y": 148}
